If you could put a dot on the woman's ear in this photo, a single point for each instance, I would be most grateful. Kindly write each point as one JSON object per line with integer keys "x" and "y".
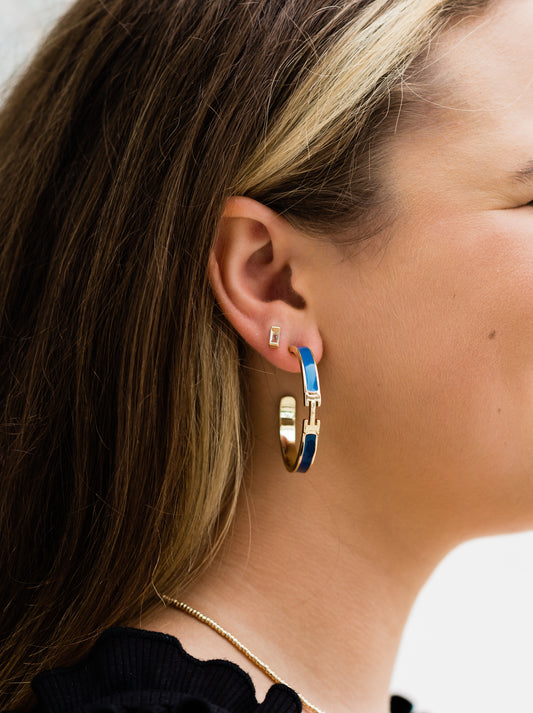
{"x": 261, "y": 276}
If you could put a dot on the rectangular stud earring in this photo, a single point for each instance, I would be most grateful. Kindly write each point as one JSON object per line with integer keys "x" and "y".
{"x": 273, "y": 340}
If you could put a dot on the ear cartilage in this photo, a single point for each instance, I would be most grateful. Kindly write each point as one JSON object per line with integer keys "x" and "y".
{"x": 273, "y": 340}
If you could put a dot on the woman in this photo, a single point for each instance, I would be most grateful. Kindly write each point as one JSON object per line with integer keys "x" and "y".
{"x": 197, "y": 196}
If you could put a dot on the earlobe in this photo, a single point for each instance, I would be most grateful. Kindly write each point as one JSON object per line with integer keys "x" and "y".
{"x": 251, "y": 270}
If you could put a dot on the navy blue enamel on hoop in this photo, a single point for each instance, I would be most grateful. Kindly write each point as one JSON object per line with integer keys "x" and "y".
{"x": 300, "y": 458}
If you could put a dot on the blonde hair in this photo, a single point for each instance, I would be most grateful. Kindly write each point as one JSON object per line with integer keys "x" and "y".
{"x": 124, "y": 434}
{"x": 356, "y": 67}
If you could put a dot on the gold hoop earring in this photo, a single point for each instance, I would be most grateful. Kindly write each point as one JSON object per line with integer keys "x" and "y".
{"x": 300, "y": 458}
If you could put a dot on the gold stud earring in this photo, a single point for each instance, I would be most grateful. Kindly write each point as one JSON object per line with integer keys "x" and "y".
{"x": 273, "y": 340}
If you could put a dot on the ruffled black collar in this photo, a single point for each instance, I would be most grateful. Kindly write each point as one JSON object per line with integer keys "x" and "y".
{"x": 134, "y": 670}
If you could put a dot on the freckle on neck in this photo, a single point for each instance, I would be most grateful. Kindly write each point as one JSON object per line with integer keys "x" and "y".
{"x": 492, "y": 334}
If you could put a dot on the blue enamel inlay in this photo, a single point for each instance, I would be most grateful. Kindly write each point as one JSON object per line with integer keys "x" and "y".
{"x": 311, "y": 375}
{"x": 308, "y": 452}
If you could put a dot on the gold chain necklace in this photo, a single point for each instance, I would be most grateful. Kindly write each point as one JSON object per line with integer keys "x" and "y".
{"x": 237, "y": 644}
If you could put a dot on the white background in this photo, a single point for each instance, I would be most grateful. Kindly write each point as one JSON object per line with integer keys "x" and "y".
{"x": 468, "y": 646}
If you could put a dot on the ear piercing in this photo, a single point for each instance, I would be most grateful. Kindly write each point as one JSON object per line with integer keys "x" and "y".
{"x": 273, "y": 340}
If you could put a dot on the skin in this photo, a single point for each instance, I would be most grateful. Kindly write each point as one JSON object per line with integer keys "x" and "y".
{"x": 425, "y": 348}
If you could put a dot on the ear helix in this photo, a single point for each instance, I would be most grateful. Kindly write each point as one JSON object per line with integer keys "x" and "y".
{"x": 299, "y": 457}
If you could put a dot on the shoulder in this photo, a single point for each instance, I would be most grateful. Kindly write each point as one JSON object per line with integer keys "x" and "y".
{"x": 132, "y": 670}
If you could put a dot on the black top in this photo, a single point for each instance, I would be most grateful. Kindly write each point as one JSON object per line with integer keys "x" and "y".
{"x": 134, "y": 671}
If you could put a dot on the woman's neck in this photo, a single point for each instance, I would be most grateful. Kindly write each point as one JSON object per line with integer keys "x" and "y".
{"x": 322, "y": 608}
{"x": 317, "y": 578}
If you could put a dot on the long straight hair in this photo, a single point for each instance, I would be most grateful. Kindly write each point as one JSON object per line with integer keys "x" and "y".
{"x": 123, "y": 434}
